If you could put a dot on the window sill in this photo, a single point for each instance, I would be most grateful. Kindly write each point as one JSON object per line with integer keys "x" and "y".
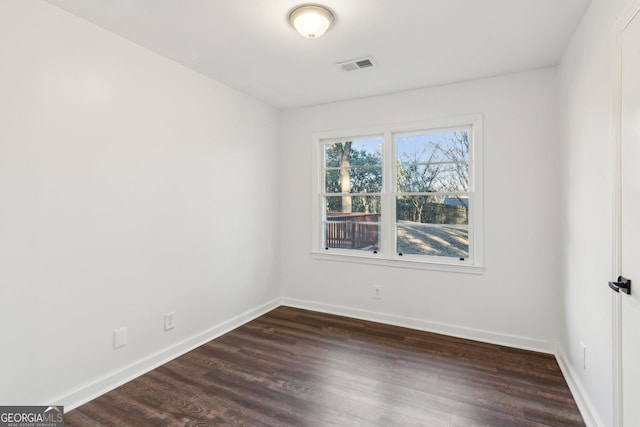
{"x": 398, "y": 263}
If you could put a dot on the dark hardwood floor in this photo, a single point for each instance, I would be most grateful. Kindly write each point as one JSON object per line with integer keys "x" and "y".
{"x": 294, "y": 367}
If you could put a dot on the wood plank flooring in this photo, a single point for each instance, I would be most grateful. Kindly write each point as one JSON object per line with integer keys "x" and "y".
{"x": 294, "y": 367}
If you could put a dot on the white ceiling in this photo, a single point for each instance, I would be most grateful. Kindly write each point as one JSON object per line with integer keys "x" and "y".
{"x": 249, "y": 45}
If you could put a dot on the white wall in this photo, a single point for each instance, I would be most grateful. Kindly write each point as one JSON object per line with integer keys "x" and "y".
{"x": 586, "y": 74}
{"x": 516, "y": 300}
{"x": 129, "y": 186}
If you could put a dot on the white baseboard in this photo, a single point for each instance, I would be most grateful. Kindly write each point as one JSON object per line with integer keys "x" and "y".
{"x": 586, "y": 407}
{"x": 113, "y": 380}
{"x": 428, "y": 326}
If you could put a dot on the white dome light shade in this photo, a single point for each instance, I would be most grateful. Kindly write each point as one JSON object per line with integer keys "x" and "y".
{"x": 311, "y": 21}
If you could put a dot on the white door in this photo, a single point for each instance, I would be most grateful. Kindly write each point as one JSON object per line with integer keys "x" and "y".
{"x": 629, "y": 229}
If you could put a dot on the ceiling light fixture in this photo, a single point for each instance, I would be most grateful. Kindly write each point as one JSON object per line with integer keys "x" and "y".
{"x": 311, "y": 20}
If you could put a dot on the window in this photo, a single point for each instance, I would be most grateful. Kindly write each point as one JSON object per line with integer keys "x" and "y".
{"x": 401, "y": 195}
{"x": 352, "y": 190}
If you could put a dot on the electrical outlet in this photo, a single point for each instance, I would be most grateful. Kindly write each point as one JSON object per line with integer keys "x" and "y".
{"x": 584, "y": 355}
{"x": 119, "y": 338}
{"x": 377, "y": 292}
{"x": 169, "y": 320}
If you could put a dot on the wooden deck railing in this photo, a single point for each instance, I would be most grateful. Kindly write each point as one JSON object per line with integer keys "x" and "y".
{"x": 352, "y": 230}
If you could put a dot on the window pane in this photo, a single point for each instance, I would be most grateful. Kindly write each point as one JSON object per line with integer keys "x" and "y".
{"x": 450, "y": 146}
{"x": 365, "y": 179}
{"x": 431, "y": 178}
{"x": 435, "y": 240}
{"x": 419, "y": 178}
{"x": 352, "y": 222}
{"x": 453, "y": 177}
{"x": 357, "y": 152}
{"x": 352, "y": 235}
{"x": 345, "y": 205}
{"x": 354, "y": 166}
{"x": 433, "y": 162}
{"x": 436, "y": 209}
{"x": 433, "y": 225}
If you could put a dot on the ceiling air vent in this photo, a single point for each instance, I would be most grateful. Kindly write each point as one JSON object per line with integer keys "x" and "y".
{"x": 356, "y": 64}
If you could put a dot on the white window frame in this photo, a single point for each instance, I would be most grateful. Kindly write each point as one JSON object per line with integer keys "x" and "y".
{"x": 387, "y": 255}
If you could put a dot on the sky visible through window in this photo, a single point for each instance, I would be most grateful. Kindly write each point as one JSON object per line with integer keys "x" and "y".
{"x": 428, "y": 148}
{"x": 369, "y": 146}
